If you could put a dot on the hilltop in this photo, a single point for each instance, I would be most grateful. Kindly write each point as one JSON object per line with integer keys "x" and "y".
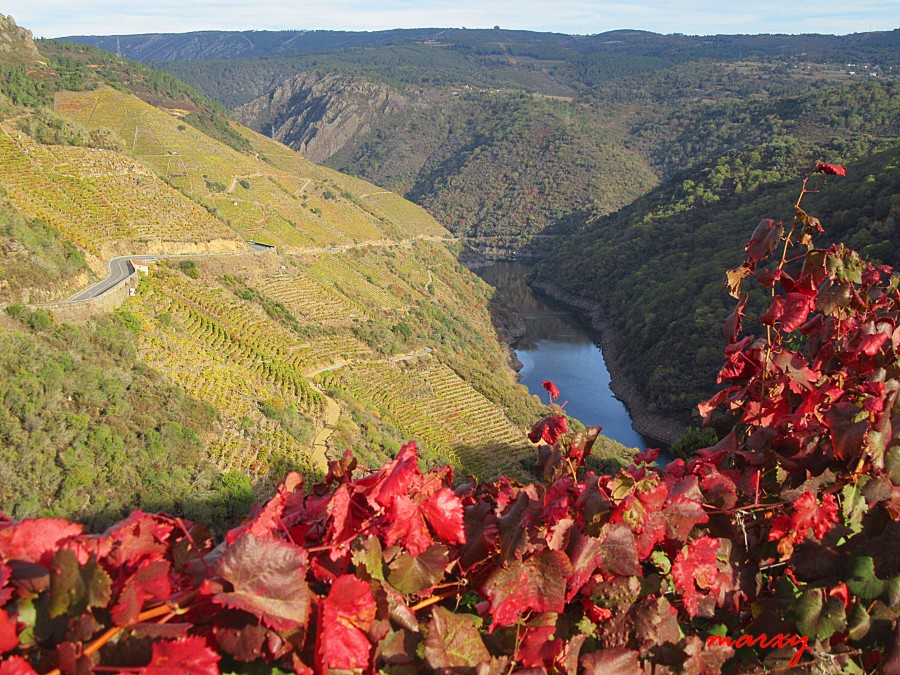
{"x": 348, "y": 325}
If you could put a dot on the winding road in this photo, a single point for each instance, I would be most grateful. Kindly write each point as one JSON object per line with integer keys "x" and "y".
{"x": 119, "y": 268}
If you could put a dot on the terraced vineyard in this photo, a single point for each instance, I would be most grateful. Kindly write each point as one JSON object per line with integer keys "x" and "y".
{"x": 357, "y": 284}
{"x": 246, "y": 333}
{"x": 104, "y": 201}
{"x": 457, "y": 425}
{"x": 306, "y": 298}
{"x": 271, "y": 195}
{"x": 353, "y": 296}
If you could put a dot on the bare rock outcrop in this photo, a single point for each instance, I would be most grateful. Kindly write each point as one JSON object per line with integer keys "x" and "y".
{"x": 319, "y": 114}
{"x": 17, "y": 43}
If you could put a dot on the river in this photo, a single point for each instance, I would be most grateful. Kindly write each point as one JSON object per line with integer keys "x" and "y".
{"x": 561, "y": 347}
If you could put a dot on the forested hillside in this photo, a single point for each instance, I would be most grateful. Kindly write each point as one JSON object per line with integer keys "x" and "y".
{"x": 507, "y": 134}
{"x": 656, "y": 269}
{"x": 230, "y": 365}
{"x": 644, "y": 149}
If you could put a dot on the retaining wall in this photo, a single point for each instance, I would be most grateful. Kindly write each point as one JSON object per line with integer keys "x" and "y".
{"x": 82, "y": 310}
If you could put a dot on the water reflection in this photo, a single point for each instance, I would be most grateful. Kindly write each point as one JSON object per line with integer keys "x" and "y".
{"x": 558, "y": 346}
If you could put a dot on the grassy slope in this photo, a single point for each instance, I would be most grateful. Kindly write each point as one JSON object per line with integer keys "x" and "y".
{"x": 298, "y": 206}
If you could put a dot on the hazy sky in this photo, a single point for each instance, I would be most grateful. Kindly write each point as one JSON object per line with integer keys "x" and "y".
{"x": 53, "y": 18}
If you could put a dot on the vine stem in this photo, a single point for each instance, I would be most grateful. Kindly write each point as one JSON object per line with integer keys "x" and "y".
{"x": 769, "y": 341}
{"x": 96, "y": 645}
{"x": 434, "y": 599}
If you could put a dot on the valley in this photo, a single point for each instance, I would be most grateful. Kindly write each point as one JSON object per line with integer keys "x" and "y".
{"x": 613, "y": 161}
{"x": 259, "y": 414}
{"x": 306, "y": 312}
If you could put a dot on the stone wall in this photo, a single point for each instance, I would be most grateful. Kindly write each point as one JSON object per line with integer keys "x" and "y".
{"x": 74, "y": 312}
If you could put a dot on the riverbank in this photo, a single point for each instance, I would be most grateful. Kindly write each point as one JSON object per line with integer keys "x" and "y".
{"x": 652, "y": 425}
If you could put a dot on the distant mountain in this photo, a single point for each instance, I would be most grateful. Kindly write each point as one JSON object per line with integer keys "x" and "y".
{"x": 207, "y": 45}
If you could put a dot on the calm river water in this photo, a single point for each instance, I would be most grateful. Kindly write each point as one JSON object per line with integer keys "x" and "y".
{"x": 561, "y": 347}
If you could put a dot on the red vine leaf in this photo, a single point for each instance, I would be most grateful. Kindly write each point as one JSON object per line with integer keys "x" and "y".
{"x": 188, "y": 656}
{"x": 9, "y": 638}
{"x": 808, "y": 516}
{"x": 549, "y": 429}
{"x": 682, "y": 516}
{"x": 140, "y": 536}
{"x": 537, "y": 583}
{"x": 696, "y": 575}
{"x": 619, "y": 550}
{"x": 551, "y": 388}
{"x": 268, "y": 522}
{"x": 16, "y": 665}
{"x": 617, "y": 660}
{"x": 5, "y": 575}
{"x": 415, "y": 574}
{"x": 268, "y": 577}
{"x": 830, "y": 169}
{"x": 150, "y": 581}
{"x": 444, "y": 512}
{"x": 396, "y": 477}
{"x": 36, "y": 539}
{"x": 405, "y": 525}
{"x": 346, "y": 617}
{"x": 731, "y": 328}
{"x": 453, "y": 642}
{"x": 847, "y": 434}
{"x": 538, "y": 650}
{"x": 765, "y": 239}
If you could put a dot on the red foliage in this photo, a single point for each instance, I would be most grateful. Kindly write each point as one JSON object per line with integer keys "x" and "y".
{"x": 347, "y": 615}
{"x": 832, "y": 169}
{"x": 549, "y": 429}
{"x": 696, "y": 574}
{"x": 188, "y": 656}
{"x": 551, "y": 389}
{"x": 788, "y": 524}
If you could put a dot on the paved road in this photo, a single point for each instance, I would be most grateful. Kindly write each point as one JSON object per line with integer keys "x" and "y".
{"x": 119, "y": 268}
{"x": 260, "y": 247}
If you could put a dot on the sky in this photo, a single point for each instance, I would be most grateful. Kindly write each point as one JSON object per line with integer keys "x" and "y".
{"x": 56, "y": 18}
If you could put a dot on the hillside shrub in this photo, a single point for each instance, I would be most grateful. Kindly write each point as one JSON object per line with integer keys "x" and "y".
{"x": 775, "y": 548}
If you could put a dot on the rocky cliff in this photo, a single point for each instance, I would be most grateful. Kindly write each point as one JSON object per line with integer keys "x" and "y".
{"x": 319, "y": 114}
{"x": 17, "y": 44}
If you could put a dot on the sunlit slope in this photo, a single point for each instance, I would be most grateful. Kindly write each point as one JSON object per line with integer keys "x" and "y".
{"x": 457, "y": 424}
{"x": 248, "y": 333}
{"x": 271, "y": 195}
{"x": 104, "y": 201}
